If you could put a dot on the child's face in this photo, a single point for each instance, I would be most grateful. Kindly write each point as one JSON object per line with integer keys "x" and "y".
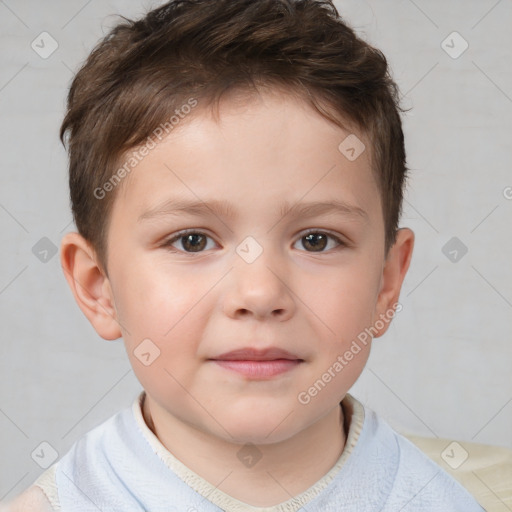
{"x": 226, "y": 296}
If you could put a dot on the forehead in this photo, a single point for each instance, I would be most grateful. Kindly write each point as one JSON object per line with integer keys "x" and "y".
{"x": 259, "y": 148}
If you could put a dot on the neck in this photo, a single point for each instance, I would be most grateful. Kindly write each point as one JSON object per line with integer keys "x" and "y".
{"x": 284, "y": 469}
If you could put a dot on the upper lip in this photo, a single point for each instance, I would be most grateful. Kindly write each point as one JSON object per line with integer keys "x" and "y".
{"x": 253, "y": 354}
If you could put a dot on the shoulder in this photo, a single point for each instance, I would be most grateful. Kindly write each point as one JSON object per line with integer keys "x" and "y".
{"x": 41, "y": 496}
{"x": 31, "y": 500}
{"x": 415, "y": 480}
{"x": 484, "y": 470}
{"x": 111, "y": 438}
{"x": 434, "y": 489}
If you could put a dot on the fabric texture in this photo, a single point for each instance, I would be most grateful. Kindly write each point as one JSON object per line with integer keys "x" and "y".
{"x": 484, "y": 469}
{"x": 121, "y": 465}
{"x": 46, "y": 482}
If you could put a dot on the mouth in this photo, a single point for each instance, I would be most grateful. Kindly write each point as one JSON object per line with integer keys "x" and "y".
{"x": 258, "y": 364}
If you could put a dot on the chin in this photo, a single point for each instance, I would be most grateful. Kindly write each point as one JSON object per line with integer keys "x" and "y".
{"x": 259, "y": 425}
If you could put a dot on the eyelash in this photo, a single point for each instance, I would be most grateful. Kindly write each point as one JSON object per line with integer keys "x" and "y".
{"x": 168, "y": 243}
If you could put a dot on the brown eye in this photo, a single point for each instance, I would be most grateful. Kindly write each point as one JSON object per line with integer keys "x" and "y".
{"x": 190, "y": 242}
{"x": 194, "y": 242}
{"x": 317, "y": 241}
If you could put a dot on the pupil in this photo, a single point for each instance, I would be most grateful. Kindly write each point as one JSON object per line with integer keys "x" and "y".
{"x": 193, "y": 240}
{"x": 316, "y": 246}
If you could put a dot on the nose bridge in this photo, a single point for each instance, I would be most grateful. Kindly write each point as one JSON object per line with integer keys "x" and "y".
{"x": 260, "y": 280}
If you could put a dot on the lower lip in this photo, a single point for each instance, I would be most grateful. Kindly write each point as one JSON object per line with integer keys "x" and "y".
{"x": 259, "y": 369}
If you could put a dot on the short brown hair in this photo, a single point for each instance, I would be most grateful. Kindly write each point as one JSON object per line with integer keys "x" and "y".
{"x": 142, "y": 71}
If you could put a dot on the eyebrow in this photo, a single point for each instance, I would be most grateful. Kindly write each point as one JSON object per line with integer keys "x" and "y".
{"x": 179, "y": 206}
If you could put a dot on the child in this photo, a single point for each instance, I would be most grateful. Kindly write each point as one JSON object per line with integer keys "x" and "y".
{"x": 236, "y": 177}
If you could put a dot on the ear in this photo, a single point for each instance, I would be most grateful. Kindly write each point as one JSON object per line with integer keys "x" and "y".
{"x": 89, "y": 284}
{"x": 393, "y": 272}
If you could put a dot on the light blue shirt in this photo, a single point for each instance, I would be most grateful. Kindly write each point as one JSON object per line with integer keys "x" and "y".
{"x": 115, "y": 467}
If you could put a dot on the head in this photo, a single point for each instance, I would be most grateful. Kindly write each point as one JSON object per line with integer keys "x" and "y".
{"x": 254, "y": 110}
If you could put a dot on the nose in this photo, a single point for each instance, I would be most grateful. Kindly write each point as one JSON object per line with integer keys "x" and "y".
{"x": 261, "y": 289}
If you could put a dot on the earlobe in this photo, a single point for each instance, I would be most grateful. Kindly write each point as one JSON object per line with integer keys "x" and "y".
{"x": 90, "y": 287}
{"x": 393, "y": 273}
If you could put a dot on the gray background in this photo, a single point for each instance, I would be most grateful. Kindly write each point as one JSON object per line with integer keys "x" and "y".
{"x": 444, "y": 367}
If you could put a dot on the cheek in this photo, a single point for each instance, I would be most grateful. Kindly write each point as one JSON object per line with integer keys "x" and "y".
{"x": 160, "y": 315}
{"x": 157, "y": 304}
{"x": 344, "y": 301}
{"x": 345, "y": 305}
